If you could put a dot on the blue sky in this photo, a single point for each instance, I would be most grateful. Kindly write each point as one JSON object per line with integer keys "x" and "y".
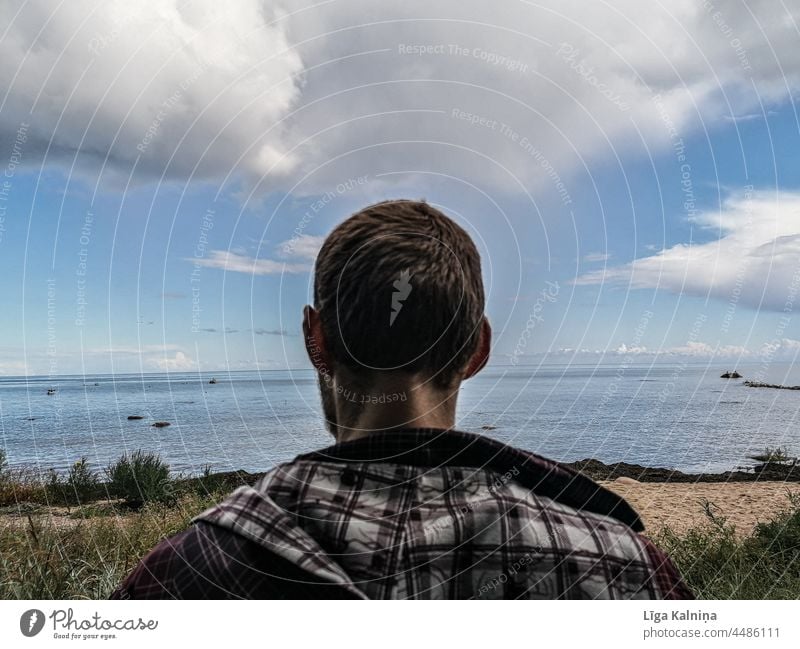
{"x": 629, "y": 175}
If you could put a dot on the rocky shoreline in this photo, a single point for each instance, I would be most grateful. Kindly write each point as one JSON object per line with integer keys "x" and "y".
{"x": 595, "y": 469}
{"x": 759, "y": 473}
{"x": 773, "y": 386}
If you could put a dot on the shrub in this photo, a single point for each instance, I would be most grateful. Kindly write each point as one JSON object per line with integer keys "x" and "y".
{"x": 54, "y": 487}
{"x": 15, "y": 493}
{"x": 780, "y": 537}
{"x": 21, "y": 485}
{"x": 82, "y": 481}
{"x": 79, "y": 487}
{"x": 777, "y": 455}
{"x": 140, "y": 478}
{"x": 718, "y": 563}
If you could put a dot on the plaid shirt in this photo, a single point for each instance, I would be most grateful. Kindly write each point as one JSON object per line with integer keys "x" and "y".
{"x": 426, "y": 514}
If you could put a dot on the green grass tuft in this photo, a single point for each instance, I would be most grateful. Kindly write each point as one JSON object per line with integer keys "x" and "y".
{"x": 140, "y": 478}
{"x": 777, "y": 455}
{"x": 718, "y": 563}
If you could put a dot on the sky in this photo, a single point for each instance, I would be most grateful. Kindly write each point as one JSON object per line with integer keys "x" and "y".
{"x": 628, "y": 170}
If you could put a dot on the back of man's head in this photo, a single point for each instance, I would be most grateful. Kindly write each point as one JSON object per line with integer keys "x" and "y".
{"x": 398, "y": 287}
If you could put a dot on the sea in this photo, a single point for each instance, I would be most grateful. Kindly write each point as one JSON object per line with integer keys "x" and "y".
{"x": 681, "y": 416}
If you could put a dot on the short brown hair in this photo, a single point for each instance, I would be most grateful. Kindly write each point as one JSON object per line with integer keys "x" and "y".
{"x": 398, "y": 287}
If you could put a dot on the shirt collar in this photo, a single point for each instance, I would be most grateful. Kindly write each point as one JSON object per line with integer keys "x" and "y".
{"x": 432, "y": 447}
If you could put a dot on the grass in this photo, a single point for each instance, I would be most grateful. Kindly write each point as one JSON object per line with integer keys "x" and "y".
{"x": 86, "y": 557}
{"x": 136, "y": 478}
{"x": 719, "y": 563}
{"x": 87, "y": 551}
{"x": 778, "y": 455}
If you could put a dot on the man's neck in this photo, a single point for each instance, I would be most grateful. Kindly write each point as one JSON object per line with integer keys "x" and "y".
{"x": 393, "y": 404}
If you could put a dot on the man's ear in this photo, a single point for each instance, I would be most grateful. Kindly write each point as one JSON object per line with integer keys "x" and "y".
{"x": 481, "y": 355}
{"x": 315, "y": 341}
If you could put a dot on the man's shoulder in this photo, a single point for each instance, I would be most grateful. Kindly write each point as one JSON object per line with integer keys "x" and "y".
{"x": 208, "y": 562}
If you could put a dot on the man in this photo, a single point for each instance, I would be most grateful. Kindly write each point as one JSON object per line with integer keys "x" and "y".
{"x": 403, "y": 505}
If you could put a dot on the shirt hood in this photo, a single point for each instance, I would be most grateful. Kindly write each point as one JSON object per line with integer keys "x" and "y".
{"x": 359, "y": 514}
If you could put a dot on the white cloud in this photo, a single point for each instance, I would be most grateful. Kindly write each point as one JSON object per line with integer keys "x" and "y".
{"x": 166, "y": 357}
{"x": 705, "y": 350}
{"x": 338, "y": 89}
{"x": 241, "y": 263}
{"x": 180, "y": 362}
{"x": 572, "y": 80}
{"x": 295, "y": 256}
{"x": 754, "y": 262}
{"x": 131, "y": 351}
{"x": 782, "y": 350}
{"x": 593, "y": 257}
{"x": 749, "y": 117}
{"x": 94, "y": 360}
{"x": 304, "y": 246}
{"x": 692, "y": 349}
{"x": 194, "y": 88}
{"x": 14, "y": 368}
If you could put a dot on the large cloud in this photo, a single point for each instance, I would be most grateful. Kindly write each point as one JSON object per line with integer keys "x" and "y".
{"x": 182, "y": 87}
{"x": 368, "y": 87}
{"x": 754, "y": 261}
{"x": 570, "y": 79}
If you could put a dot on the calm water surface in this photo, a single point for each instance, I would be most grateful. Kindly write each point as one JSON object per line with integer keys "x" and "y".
{"x": 680, "y": 416}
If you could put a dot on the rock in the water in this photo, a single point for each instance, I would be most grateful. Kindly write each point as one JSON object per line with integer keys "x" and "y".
{"x": 487, "y": 427}
{"x": 161, "y": 424}
{"x": 132, "y": 417}
{"x": 213, "y": 381}
{"x": 731, "y": 375}
{"x": 775, "y": 386}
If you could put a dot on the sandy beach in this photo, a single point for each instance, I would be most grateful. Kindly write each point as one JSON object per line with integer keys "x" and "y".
{"x": 680, "y": 505}
{"x": 677, "y": 505}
